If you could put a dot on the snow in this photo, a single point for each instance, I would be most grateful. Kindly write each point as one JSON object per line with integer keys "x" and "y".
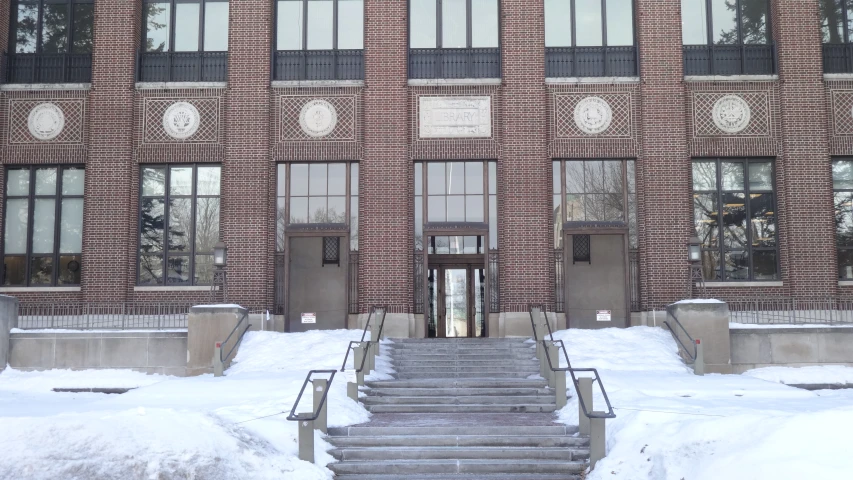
{"x": 819, "y": 374}
{"x": 672, "y": 424}
{"x": 170, "y": 427}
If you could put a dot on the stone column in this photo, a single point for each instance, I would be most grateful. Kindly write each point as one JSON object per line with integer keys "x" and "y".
{"x": 207, "y": 326}
{"x": 804, "y": 177}
{"x": 664, "y": 165}
{"x": 108, "y": 222}
{"x": 246, "y": 216}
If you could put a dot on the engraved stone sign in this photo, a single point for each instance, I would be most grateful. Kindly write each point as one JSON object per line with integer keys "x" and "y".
{"x": 318, "y": 118}
{"x": 181, "y": 120}
{"x": 455, "y": 117}
{"x": 593, "y": 115}
{"x": 731, "y": 114}
{"x": 46, "y": 121}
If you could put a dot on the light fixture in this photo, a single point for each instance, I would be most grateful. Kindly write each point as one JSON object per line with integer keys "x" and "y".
{"x": 220, "y": 254}
{"x": 694, "y": 250}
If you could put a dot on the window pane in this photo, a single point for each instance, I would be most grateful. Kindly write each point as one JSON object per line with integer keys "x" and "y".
{"x": 317, "y": 179}
{"x": 71, "y": 226}
{"x": 320, "y": 22}
{"x": 473, "y": 178}
{"x": 299, "y": 180}
{"x": 842, "y": 175}
{"x": 493, "y": 178}
{"x": 14, "y": 270}
{"x": 206, "y": 224}
{"x": 694, "y": 22}
{"x": 731, "y": 175}
{"x": 737, "y": 265}
{"x": 41, "y": 271}
{"x": 484, "y": 23}
{"x": 46, "y": 181}
{"x": 281, "y": 221}
{"x": 216, "y": 26}
{"x": 613, "y": 177}
{"x": 422, "y": 23}
{"x": 711, "y": 265}
{"x": 734, "y": 221}
{"x": 620, "y": 22}
{"x": 25, "y": 29}
{"x": 593, "y": 177}
{"x": 760, "y": 176}
{"x": 298, "y": 209}
{"x": 474, "y": 208}
{"x": 180, "y": 224}
{"x": 15, "y": 234}
{"x": 724, "y": 18}
{"x": 436, "y": 209}
{"x": 419, "y": 223}
{"x": 588, "y": 23}
{"x": 595, "y": 207}
{"x": 150, "y": 270}
{"x": 353, "y": 188}
{"x": 764, "y": 265}
{"x": 704, "y": 176}
{"x": 455, "y": 178}
{"x": 844, "y": 218}
{"x": 754, "y": 21}
{"x": 18, "y": 182}
{"x": 454, "y": 31}
{"x": 179, "y": 270}
{"x": 157, "y": 24}
{"x": 574, "y": 208}
{"x": 337, "y": 212}
{"x": 153, "y": 182}
{"x": 832, "y": 21}
{"x": 289, "y": 25}
{"x": 419, "y": 180}
{"x": 54, "y": 28}
{"x": 849, "y": 19}
{"x": 81, "y": 34}
{"x": 493, "y": 222}
{"x": 181, "y": 181}
{"x": 186, "y": 27}
{"x": 705, "y": 215}
{"x": 44, "y": 223}
{"x": 455, "y": 208}
{"x": 763, "y": 220}
{"x": 558, "y": 23}
{"x": 152, "y": 225}
{"x": 556, "y": 182}
{"x": 203, "y": 269}
{"x": 353, "y": 224}
{"x": 633, "y": 241}
{"x": 435, "y": 179}
{"x": 208, "y": 180}
{"x": 351, "y": 24}
{"x": 281, "y": 178}
{"x": 317, "y": 212}
{"x": 73, "y": 181}
{"x": 69, "y": 269}
{"x": 337, "y": 179}
{"x": 845, "y": 265}
{"x": 574, "y": 177}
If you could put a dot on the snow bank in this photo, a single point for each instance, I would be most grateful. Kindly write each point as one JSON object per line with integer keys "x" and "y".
{"x": 823, "y": 374}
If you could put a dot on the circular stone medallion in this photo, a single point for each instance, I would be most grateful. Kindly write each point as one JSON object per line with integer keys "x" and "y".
{"x": 181, "y": 120}
{"x": 593, "y": 115}
{"x": 318, "y": 118}
{"x": 46, "y": 121}
{"x": 731, "y": 114}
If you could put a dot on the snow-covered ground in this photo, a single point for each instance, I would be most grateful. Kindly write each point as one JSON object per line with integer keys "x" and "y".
{"x": 174, "y": 427}
{"x": 672, "y": 424}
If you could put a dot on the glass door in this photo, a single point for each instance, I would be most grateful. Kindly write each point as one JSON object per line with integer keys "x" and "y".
{"x": 456, "y": 297}
{"x": 456, "y": 302}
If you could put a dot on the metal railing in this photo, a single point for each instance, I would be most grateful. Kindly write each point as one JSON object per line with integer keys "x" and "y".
{"x": 318, "y": 65}
{"x": 838, "y": 58}
{"x": 591, "y": 61}
{"x": 220, "y": 362}
{"x": 182, "y": 66}
{"x": 46, "y": 68}
{"x": 361, "y": 349}
{"x": 729, "y": 59}
{"x": 112, "y": 315}
{"x": 428, "y": 63}
{"x": 792, "y": 310}
{"x": 677, "y": 329}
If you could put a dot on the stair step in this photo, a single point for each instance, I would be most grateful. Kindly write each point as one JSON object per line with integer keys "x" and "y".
{"x": 406, "y": 467}
{"x": 455, "y": 430}
{"x": 462, "y": 350}
{"x": 479, "y": 408}
{"x": 463, "y": 375}
{"x": 454, "y": 392}
{"x": 449, "y": 362}
{"x": 458, "y": 383}
{"x": 461, "y": 367}
{"x": 389, "y": 441}
{"x": 463, "y": 476}
{"x": 448, "y": 453}
{"x": 464, "y": 400}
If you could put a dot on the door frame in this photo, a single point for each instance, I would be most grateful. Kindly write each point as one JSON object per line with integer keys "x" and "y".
{"x": 470, "y": 300}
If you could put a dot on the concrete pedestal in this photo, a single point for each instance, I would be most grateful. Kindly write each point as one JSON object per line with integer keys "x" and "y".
{"x": 709, "y": 322}
{"x": 8, "y": 321}
{"x": 207, "y": 325}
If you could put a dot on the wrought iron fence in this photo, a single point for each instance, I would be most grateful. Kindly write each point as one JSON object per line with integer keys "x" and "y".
{"x": 729, "y": 59}
{"x": 494, "y": 282}
{"x": 114, "y": 315}
{"x": 318, "y": 65}
{"x": 559, "y": 278}
{"x": 279, "y": 307}
{"x": 634, "y": 279}
{"x": 47, "y": 68}
{"x": 427, "y": 63}
{"x": 789, "y": 310}
{"x": 591, "y": 61}
{"x": 418, "y": 269}
{"x": 353, "y": 282}
{"x": 182, "y": 66}
{"x": 837, "y": 58}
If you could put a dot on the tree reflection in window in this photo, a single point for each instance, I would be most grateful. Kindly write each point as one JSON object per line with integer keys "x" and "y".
{"x": 66, "y": 26}
{"x": 842, "y": 185}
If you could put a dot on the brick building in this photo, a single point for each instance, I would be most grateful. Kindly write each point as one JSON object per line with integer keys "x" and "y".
{"x": 456, "y": 160}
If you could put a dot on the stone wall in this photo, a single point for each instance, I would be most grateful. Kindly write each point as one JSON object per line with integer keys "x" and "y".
{"x": 790, "y": 347}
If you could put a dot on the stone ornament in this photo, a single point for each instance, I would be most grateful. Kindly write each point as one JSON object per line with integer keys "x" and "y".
{"x": 731, "y": 114}
{"x": 181, "y": 120}
{"x": 593, "y": 115}
{"x": 318, "y": 118}
{"x": 46, "y": 121}
{"x": 455, "y": 117}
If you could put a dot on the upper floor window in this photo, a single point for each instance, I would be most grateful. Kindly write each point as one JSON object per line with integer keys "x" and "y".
{"x": 454, "y": 39}
{"x": 319, "y": 40}
{"x": 184, "y": 40}
{"x": 727, "y": 37}
{"x": 43, "y": 226}
{"x": 836, "y": 26}
{"x": 842, "y": 186}
{"x": 590, "y": 38}
{"x": 51, "y": 41}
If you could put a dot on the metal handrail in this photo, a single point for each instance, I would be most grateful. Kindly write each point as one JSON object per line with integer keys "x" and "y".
{"x": 316, "y": 413}
{"x": 560, "y": 345}
{"x": 367, "y": 343}
{"x": 683, "y": 347}
{"x": 237, "y": 343}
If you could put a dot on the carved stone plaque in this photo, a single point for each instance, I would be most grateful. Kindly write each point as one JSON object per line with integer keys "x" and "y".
{"x": 181, "y": 120}
{"x": 318, "y": 118}
{"x": 455, "y": 117}
{"x": 731, "y": 114}
{"x": 46, "y": 121}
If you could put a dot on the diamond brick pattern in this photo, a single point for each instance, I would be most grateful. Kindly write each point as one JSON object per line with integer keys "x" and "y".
{"x": 73, "y": 109}
{"x": 209, "y": 117}
{"x": 291, "y": 107}
{"x": 703, "y": 121}
{"x": 564, "y": 115}
{"x": 842, "y": 112}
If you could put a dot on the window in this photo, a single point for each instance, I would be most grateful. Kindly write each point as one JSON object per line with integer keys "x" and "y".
{"x": 43, "y": 226}
{"x": 842, "y": 185}
{"x": 319, "y": 40}
{"x": 727, "y": 37}
{"x": 51, "y": 41}
{"x": 454, "y": 39}
{"x": 734, "y": 212}
{"x": 184, "y": 40}
{"x": 590, "y": 38}
{"x": 836, "y": 18}
{"x": 178, "y": 224}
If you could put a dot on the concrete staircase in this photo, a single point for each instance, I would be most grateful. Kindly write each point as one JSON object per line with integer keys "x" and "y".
{"x": 460, "y": 409}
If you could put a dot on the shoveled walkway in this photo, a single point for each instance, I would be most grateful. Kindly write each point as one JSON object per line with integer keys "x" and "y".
{"x": 460, "y": 409}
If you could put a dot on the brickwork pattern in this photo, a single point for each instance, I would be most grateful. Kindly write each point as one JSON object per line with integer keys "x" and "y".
{"x": 840, "y": 101}
{"x": 702, "y": 104}
{"x": 209, "y": 111}
{"x": 73, "y": 111}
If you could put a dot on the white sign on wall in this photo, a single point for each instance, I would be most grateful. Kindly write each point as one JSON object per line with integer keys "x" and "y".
{"x": 309, "y": 318}
{"x": 600, "y": 315}
{"x": 455, "y": 117}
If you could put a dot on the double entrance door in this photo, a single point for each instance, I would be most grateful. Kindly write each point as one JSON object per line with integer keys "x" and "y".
{"x": 456, "y": 295}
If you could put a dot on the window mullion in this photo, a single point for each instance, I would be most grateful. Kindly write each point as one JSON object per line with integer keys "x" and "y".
{"x": 39, "y": 20}
{"x": 844, "y": 13}
{"x": 721, "y": 248}
{"x": 469, "y": 24}
{"x": 709, "y": 21}
{"x": 574, "y": 30}
{"x": 335, "y": 27}
{"x": 305, "y": 27}
{"x": 166, "y": 199}
{"x": 57, "y": 225}
{"x": 604, "y": 25}
{"x": 172, "y": 18}
{"x": 194, "y": 228}
{"x": 439, "y": 7}
{"x": 748, "y": 212}
{"x": 69, "y": 39}
{"x": 201, "y": 14}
